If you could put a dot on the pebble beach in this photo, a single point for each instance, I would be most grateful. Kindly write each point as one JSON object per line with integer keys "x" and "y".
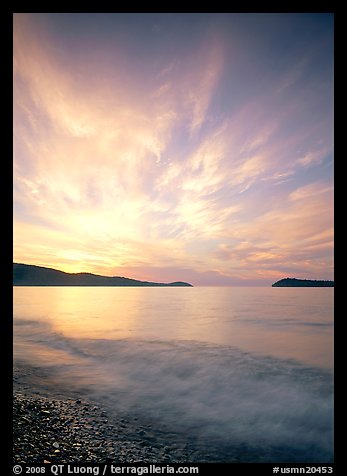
{"x": 48, "y": 428}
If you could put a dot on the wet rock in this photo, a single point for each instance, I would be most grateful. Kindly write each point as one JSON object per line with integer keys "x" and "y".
{"x": 64, "y": 431}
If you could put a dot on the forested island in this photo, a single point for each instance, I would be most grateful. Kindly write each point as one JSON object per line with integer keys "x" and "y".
{"x": 30, "y": 275}
{"x": 302, "y": 283}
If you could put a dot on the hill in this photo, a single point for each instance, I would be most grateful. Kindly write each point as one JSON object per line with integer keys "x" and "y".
{"x": 30, "y": 275}
{"x": 302, "y": 283}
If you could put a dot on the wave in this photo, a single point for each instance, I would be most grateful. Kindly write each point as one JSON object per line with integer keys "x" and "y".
{"x": 217, "y": 393}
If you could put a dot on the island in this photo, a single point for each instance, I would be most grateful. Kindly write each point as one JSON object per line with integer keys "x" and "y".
{"x": 30, "y": 275}
{"x": 302, "y": 283}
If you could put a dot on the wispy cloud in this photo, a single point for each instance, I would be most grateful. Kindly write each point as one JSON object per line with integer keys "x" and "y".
{"x": 203, "y": 83}
{"x": 123, "y": 165}
{"x": 308, "y": 191}
{"x": 313, "y": 157}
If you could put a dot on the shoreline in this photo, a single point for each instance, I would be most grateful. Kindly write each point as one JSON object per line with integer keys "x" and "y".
{"x": 55, "y": 424}
{"x": 49, "y": 427}
{"x": 48, "y": 430}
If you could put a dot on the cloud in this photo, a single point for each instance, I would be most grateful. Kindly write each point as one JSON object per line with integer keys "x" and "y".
{"x": 299, "y": 234}
{"x": 293, "y": 76}
{"x": 312, "y": 158}
{"x": 202, "y": 86}
{"x": 310, "y": 190}
{"x": 118, "y": 164}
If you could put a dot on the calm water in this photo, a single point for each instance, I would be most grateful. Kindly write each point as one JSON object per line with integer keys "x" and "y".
{"x": 250, "y": 365}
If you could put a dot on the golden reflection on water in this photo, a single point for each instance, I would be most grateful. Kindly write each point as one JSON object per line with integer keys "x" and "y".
{"x": 281, "y": 322}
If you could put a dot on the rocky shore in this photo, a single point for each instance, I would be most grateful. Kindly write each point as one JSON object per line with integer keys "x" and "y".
{"x": 49, "y": 430}
{"x": 53, "y": 424}
{"x": 60, "y": 427}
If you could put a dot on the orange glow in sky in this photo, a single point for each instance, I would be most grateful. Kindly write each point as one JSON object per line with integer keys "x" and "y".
{"x": 192, "y": 147}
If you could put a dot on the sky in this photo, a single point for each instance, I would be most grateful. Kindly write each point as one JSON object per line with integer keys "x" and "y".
{"x": 166, "y": 147}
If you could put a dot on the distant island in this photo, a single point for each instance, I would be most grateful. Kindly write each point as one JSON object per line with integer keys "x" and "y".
{"x": 302, "y": 283}
{"x": 30, "y": 275}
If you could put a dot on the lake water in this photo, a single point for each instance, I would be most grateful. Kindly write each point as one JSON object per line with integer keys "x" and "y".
{"x": 251, "y": 366}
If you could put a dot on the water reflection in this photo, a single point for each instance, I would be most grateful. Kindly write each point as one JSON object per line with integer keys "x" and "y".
{"x": 290, "y": 323}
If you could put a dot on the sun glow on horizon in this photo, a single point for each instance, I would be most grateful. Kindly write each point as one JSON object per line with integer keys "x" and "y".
{"x": 166, "y": 147}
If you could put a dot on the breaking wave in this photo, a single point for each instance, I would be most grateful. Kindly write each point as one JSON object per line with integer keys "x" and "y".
{"x": 218, "y": 393}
